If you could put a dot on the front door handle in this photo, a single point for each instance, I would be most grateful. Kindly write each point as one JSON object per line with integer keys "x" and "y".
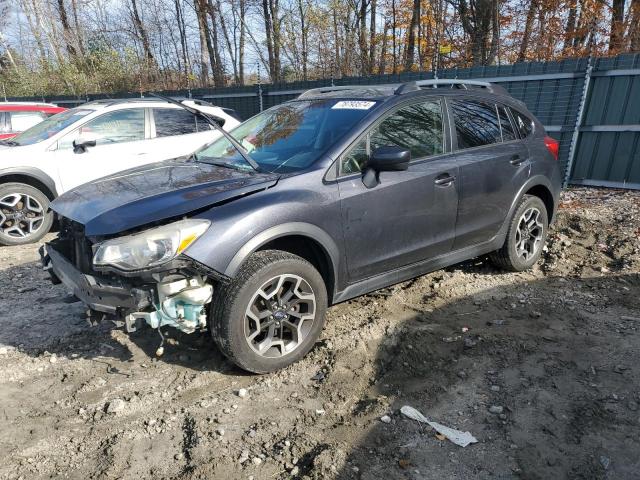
{"x": 516, "y": 160}
{"x": 444, "y": 180}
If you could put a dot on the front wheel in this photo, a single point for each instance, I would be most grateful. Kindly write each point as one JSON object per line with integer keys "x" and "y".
{"x": 526, "y": 236}
{"x": 24, "y": 214}
{"x": 271, "y": 314}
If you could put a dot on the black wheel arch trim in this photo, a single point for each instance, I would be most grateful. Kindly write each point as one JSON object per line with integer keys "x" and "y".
{"x": 312, "y": 232}
{"x": 535, "y": 181}
{"x": 31, "y": 172}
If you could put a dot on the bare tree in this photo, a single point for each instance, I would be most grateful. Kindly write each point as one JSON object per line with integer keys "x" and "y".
{"x": 142, "y": 32}
{"x": 409, "y": 56}
{"x": 616, "y": 30}
{"x": 271, "y": 11}
{"x": 634, "y": 26}
{"x": 5, "y": 15}
{"x": 206, "y": 50}
{"x": 372, "y": 34}
{"x": 66, "y": 28}
{"x": 216, "y": 59}
{"x": 528, "y": 26}
{"x": 479, "y": 22}
{"x": 304, "y": 37}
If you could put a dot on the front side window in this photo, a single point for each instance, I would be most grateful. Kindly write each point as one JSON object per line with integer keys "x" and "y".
{"x": 476, "y": 123}
{"x": 21, "y": 121}
{"x": 171, "y": 121}
{"x": 417, "y": 127}
{"x": 113, "y": 127}
{"x": 288, "y": 137}
{"x": 51, "y": 126}
{"x": 523, "y": 123}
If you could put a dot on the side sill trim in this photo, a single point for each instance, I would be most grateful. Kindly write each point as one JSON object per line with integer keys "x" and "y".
{"x": 417, "y": 269}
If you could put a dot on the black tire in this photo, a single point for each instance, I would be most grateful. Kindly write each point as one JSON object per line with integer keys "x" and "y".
{"x": 229, "y": 320}
{"x": 508, "y": 257}
{"x": 9, "y": 236}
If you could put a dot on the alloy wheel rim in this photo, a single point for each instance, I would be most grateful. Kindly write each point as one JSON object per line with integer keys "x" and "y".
{"x": 529, "y": 234}
{"x": 21, "y": 215}
{"x": 280, "y": 315}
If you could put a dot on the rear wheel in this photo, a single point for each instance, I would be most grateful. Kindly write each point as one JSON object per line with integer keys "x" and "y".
{"x": 271, "y": 314}
{"x": 24, "y": 214}
{"x": 526, "y": 236}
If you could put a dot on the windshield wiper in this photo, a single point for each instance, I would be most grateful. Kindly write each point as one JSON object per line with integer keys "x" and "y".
{"x": 211, "y": 120}
{"x": 9, "y": 143}
{"x": 217, "y": 163}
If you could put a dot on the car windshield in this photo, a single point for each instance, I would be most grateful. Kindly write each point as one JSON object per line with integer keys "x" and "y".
{"x": 49, "y": 127}
{"x": 288, "y": 137}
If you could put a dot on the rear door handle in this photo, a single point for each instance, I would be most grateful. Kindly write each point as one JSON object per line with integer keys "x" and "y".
{"x": 516, "y": 160}
{"x": 444, "y": 180}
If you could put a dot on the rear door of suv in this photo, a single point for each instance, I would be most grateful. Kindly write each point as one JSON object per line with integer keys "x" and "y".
{"x": 494, "y": 163}
{"x": 176, "y": 132}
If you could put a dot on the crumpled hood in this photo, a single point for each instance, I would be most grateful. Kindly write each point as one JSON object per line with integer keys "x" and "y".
{"x": 154, "y": 192}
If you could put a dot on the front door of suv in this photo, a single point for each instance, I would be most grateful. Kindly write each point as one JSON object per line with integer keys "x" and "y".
{"x": 410, "y": 215}
{"x": 493, "y": 163}
{"x": 121, "y": 143}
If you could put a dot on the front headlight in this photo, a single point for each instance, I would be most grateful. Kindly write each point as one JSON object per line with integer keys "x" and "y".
{"x": 150, "y": 248}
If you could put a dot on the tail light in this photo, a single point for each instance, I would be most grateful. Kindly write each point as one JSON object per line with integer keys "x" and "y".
{"x": 553, "y": 146}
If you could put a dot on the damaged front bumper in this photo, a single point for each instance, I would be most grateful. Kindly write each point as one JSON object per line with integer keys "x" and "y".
{"x": 176, "y": 299}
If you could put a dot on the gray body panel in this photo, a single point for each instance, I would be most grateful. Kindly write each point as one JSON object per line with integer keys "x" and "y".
{"x": 371, "y": 238}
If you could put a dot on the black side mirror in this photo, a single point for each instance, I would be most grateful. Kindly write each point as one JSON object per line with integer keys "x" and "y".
{"x": 385, "y": 159}
{"x": 80, "y": 145}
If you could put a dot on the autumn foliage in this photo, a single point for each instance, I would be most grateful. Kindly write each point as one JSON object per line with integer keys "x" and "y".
{"x": 100, "y": 46}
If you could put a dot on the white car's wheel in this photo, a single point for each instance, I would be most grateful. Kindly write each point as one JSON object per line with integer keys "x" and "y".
{"x": 24, "y": 214}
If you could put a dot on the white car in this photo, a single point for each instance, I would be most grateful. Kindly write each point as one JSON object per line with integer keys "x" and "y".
{"x": 88, "y": 142}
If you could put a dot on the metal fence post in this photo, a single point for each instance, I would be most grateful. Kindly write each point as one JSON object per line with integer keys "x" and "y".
{"x": 260, "y": 104}
{"x": 576, "y": 130}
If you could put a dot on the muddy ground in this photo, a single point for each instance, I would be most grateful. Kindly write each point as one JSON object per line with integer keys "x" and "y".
{"x": 555, "y": 350}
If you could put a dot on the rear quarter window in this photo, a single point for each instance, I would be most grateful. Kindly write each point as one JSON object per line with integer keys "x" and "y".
{"x": 524, "y": 124}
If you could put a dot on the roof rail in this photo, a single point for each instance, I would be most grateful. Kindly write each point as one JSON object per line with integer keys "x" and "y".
{"x": 450, "y": 83}
{"x": 321, "y": 90}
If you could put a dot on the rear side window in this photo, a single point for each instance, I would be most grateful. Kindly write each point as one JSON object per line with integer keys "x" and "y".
{"x": 508, "y": 133}
{"x": 523, "y": 123}
{"x": 4, "y": 126}
{"x": 476, "y": 123}
{"x": 21, "y": 121}
{"x": 416, "y": 127}
{"x": 171, "y": 122}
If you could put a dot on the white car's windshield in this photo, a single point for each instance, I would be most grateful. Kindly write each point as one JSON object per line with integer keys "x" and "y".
{"x": 49, "y": 127}
{"x": 288, "y": 137}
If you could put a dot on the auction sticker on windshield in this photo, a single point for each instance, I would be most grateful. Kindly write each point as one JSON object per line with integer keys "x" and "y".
{"x": 354, "y": 105}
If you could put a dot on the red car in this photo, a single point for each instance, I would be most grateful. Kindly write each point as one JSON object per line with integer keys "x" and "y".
{"x": 18, "y": 117}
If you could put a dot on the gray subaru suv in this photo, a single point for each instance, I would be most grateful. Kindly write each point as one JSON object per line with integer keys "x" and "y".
{"x": 337, "y": 193}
